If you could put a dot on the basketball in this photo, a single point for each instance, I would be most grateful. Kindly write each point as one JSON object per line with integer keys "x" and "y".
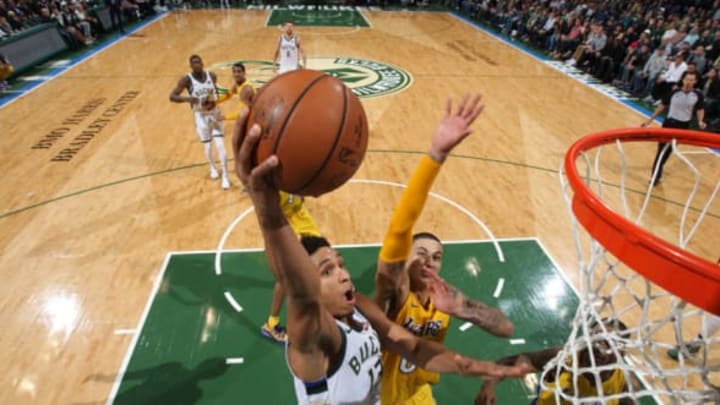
{"x": 315, "y": 125}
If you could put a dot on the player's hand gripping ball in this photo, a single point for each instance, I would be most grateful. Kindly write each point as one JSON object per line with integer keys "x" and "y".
{"x": 315, "y": 125}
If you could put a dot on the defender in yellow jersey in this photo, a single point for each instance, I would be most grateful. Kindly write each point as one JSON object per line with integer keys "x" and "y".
{"x": 402, "y": 379}
{"x": 302, "y": 224}
{"x": 613, "y": 380}
{"x": 613, "y": 384}
{"x": 407, "y": 286}
{"x": 242, "y": 88}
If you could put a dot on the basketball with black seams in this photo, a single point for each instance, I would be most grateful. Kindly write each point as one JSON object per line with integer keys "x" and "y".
{"x": 316, "y": 127}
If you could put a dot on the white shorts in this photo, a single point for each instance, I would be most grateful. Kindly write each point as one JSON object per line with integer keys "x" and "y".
{"x": 208, "y": 124}
{"x": 282, "y": 69}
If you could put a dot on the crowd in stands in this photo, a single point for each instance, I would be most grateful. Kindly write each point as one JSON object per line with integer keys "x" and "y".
{"x": 79, "y": 25}
{"x": 642, "y": 47}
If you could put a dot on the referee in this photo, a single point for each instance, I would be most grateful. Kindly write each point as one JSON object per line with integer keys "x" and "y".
{"x": 682, "y": 102}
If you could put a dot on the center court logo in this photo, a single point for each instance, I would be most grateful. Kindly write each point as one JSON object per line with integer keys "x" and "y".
{"x": 366, "y": 78}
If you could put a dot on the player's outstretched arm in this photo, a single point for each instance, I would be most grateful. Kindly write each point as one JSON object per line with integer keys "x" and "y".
{"x": 245, "y": 96}
{"x": 534, "y": 361}
{"x": 227, "y": 96}
{"x": 175, "y": 94}
{"x": 430, "y": 355}
{"x": 311, "y": 329}
{"x": 451, "y": 300}
{"x": 391, "y": 279}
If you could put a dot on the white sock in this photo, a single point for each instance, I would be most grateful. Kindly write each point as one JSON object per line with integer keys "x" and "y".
{"x": 710, "y": 326}
{"x": 209, "y": 154}
{"x": 220, "y": 145}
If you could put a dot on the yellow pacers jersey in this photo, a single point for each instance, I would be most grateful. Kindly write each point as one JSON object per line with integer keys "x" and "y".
{"x": 297, "y": 215}
{"x": 611, "y": 386}
{"x": 402, "y": 382}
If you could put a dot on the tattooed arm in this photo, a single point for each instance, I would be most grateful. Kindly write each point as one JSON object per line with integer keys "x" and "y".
{"x": 537, "y": 360}
{"x": 534, "y": 361}
{"x": 483, "y": 316}
{"x": 449, "y": 299}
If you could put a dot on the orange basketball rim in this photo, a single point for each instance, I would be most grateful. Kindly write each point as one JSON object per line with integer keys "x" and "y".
{"x": 678, "y": 271}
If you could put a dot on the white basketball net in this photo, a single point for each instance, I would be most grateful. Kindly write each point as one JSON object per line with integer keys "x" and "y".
{"x": 656, "y": 321}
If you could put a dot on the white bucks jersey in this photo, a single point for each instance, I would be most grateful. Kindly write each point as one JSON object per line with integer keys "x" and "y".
{"x": 204, "y": 91}
{"x": 355, "y": 380}
{"x": 288, "y": 54}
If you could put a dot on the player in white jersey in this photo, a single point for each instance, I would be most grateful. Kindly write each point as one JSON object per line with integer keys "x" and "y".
{"x": 359, "y": 362}
{"x": 289, "y": 51}
{"x": 201, "y": 87}
{"x": 334, "y": 334}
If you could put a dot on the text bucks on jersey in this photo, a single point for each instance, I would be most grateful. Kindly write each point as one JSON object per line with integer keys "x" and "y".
{"x": 357, "y": 377}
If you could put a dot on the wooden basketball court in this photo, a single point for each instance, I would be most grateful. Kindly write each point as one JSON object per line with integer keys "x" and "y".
{"x": 103, "y": 176}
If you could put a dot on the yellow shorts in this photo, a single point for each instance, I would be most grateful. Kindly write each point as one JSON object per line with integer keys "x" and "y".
{"x": 298, "y": 216}
{"x": 302, "y": 223}
{"x": 423, "y": 396}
